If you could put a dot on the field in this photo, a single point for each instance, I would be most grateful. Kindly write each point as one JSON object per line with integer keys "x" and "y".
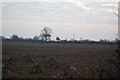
{"x": 57, "y": 60}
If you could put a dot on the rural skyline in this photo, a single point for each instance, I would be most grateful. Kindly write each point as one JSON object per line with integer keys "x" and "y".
{"x": 87, "y": 20}
{"x": 76, "y": 39}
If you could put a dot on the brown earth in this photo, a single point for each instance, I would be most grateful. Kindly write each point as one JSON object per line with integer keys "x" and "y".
{"x": 57, "y": 60}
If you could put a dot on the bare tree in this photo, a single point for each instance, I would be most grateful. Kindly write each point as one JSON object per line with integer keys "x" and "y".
{"x": 57, "y": 39}
{"x": 46, "y": 33}
{"x": 118, "y": 41}
{"x": 14, "y": 37}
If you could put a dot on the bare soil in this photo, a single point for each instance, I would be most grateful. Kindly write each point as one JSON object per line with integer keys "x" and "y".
{"x": 57, "y": 60}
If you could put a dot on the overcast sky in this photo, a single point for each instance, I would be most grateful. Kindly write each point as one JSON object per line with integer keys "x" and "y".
{"x": 59, "y": 0}
{"x": 90, "y": 20}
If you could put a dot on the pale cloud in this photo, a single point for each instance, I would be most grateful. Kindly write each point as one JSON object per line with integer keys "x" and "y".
{"x": 112, "y": 11}
{"x": 64, "y": 18}
{"x": 78, "y": 25}
{"x": 80, "y": 4}
{"x": 109, "y": 4}
{"x": 58, "y": 0}
{"x": 0, "y": 4}
{"x": 56, "y": 11}
{"x": 110, "y": 7}
{"x": 81, "y": 30}
{"x": 0, "y": 18}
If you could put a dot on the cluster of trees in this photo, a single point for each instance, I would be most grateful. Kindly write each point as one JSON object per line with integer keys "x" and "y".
{"x": 15, "y": 38}
{"x": 45, "y": 36}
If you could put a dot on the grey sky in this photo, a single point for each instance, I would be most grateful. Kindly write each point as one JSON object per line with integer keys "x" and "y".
{"x": 87, "y": 20}
{"x": 59, "y": 0}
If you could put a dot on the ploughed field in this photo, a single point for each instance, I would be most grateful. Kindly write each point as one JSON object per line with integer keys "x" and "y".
{"x": 57, "y": 60}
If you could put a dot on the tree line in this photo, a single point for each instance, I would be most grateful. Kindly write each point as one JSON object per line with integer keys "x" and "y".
{"x": 45, "y": 36}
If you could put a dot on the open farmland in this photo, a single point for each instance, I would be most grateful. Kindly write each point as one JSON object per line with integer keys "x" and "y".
{"x": 57, "y": 60}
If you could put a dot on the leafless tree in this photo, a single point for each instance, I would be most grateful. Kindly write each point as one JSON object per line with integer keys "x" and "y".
{"x": 57, "y": 39}
{"x": 14, "y": 37}
{"x": 46, "y": 33}
{"x": 118, "y": 50}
